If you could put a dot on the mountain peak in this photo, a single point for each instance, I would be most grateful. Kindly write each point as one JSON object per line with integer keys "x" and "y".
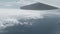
{"x": 38, "y": 6}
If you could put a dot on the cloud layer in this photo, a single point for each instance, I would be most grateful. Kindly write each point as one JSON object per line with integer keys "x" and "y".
{"x": 26, "y": 19}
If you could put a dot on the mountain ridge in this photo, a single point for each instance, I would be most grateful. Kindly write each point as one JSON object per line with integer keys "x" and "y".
{"x": 38, "y": 6}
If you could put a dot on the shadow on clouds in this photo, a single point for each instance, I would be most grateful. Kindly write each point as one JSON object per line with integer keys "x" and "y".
{"x": 47, "y": 25}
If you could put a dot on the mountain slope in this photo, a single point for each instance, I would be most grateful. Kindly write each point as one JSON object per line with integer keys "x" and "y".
{"x": 38, "y": 6}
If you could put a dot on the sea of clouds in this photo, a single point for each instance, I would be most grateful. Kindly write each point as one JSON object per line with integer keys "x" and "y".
{"x": 19, "y": 21}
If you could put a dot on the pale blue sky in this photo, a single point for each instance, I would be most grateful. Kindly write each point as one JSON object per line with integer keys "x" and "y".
{"x": 9, "y": 4}
{"x": 18, "y": 3}
{"x": 13, "y": 3}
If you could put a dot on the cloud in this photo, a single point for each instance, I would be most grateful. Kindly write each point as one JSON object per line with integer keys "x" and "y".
{"x": 25, "y": 19}
{"x": 13, "y": 15}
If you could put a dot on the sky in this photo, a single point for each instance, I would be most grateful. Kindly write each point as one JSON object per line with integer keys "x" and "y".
{"x": 9, "y": 4}
{"x": 55, "y": 3}
{"x": 18, "y": 3}
{"x": 13, "y": 3}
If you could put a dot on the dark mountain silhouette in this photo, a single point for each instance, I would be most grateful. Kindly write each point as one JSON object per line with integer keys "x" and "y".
{"x": 38, "y": 6}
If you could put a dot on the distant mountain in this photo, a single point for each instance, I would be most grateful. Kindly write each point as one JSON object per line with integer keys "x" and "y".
{"x": 38, "y": 6}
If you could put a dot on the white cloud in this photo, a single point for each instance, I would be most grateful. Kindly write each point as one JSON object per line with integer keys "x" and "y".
{"x": 10, "y": 17}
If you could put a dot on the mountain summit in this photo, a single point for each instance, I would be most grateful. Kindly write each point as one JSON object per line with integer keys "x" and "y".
{"x": 38, "y": 6}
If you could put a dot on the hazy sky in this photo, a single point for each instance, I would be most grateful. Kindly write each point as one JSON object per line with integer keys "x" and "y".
{"x": 51, "y": 2}
{"x": 9, "y": 4}
{"x": 18, "y": 3}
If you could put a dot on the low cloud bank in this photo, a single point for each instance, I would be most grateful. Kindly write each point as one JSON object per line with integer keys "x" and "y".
{"x": 28, "y": 21}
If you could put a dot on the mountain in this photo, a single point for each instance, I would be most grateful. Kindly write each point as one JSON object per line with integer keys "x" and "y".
{"x": 38, "y": 6}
